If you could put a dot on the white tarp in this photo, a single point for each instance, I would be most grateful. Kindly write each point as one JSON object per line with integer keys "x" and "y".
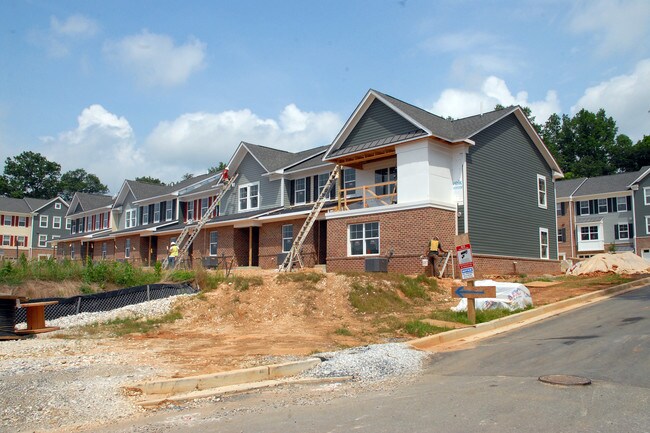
{"x": 513, "y": 296}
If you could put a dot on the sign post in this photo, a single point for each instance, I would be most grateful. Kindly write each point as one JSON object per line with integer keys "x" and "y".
{"x": 466, "y": 265}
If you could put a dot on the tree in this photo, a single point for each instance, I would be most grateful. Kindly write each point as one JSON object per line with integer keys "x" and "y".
{"x": 80, "y": 181}
{"x": 529, "y": 114}
{"x": 218, "y": 168}
{"x": 149, "y": 179}
{"x": 187, "y": 176}
{"x": 30, "y": 174}
{"x": 632, "y": 157}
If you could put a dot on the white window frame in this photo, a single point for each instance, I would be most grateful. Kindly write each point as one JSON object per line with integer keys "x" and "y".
{"x": 248, "y": 198}
{"x": 6, "y": 240}
{"x": 190, "y": 210}
{"x": 583, "y": 210}
{"x": 20, "y": 241}
{"x": 57, "y": 205}
{"x": 602, "y": 202}
{"x": 547, "y": 256}
{"x": 104, "y": 250}
{"x": 56, "y": 222}
{"x": 42, "y": 241}
{"x": 621, "y": 202}
{"x": 89, "y": 223}
{"x": 646, "y": 195}
{"x": 43, "y": 221}
{"x": 6, "y": 218}
{"x": 145, "y": 215}
{"x": 22, "y": 221}
{"x": 322, "y": 180}
{"x": 542, "y": 195}
{"x": 130, "y": 218}
{"x": 287, "y": 237}
{"x": 169, "y": 210}
{"x": 589, "y": 233}
{"x": 627, "y": 231}
{"x": 156, "y": 213}
{"x": 68, "y": 223}
{"x": 127, "y": 248}
{"x": 214, "y": 243}
{"x": 350, "y": 180}
{"x": 364, "y": 238}
{"x": 106, "y": 219}
{"x": 205, "y": 204}
{"x": 71, "y": 251}
{"x": 297, "y": 191}
{"x": 647, "y": 225}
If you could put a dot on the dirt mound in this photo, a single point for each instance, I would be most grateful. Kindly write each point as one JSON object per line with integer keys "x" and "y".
{"x": 619, "y": 263}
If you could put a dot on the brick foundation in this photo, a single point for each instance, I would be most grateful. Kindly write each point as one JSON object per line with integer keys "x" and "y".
{"x": 495, "y": 265}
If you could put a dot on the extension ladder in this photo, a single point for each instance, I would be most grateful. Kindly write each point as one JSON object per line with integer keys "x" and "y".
{"x": 443, "y": 265}
{"x": 191, "y": 231}
{"x": 294, "y": 254}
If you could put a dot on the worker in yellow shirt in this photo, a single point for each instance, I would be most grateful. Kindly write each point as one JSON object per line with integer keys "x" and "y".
{"x": 173, "y": 253}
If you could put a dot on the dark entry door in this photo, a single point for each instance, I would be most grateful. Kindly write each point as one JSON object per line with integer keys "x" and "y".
{"x": 255, "y": 246}
{"x": 153, "y": 249}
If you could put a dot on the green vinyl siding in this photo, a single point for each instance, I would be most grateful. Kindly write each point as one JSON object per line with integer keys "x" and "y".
{"x": 641, "y": 211}
{"x": 378, "y": 122}
{"x": 503, "y": 211}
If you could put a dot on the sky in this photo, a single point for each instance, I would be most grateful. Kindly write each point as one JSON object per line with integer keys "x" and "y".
{"x": 162, "y": 88}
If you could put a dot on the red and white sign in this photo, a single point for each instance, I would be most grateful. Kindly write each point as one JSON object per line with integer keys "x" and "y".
{"x": 465, "y": 261}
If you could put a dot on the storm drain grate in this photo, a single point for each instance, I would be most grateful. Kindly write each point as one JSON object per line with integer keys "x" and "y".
{"x": 564, "y": 379}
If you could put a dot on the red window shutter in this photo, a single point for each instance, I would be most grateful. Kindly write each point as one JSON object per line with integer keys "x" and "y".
{"x": 26, "y": 240}
{"x": 12, "y": 242}
{"x": 13, "y": 221}
{"x": 26, "y": 221}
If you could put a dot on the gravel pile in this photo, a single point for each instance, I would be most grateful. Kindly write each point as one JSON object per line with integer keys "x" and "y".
{"x": 370, "y": 363}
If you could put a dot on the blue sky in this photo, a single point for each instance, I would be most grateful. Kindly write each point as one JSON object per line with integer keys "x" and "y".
{"x": 159, "y": 88}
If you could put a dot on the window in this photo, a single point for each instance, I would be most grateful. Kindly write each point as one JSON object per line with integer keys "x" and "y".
{"x": 80, "y": 225}
{"x": 204, "y": 206}
{"x": 287, "y": 237}
{"x": 68, "y": 223}
{"x": 385, "y": 175}
{"x": 602, "y": 205}
{"x": 89, "y": 223}
{"x": 156, "y": 213}
{"x": 249, "y": 196}
{"x": 72, "y": 251}
{"x": 190, "y": 210}
{"x": 22, "y": 221}
{"x": 127, "y": 249}
{"x": 299, "y": 195}
{"x": 584, "y": 207}
{"x": 349, "y": 179}
{"x": 6, "y": 240}
{"x": 589, "y": 233}
{"x": 647, "y": 225}
{"x": 20, "y": 241}
{"x": 622, "y": 231}
{"x": 561, "y": 235}
{"x": 363, "y": 239}
{"x": 97, "y": 221}
{"x": 621, "y": 204}
{"x": 57, "y": 205}
{"x": 56, "y": 222}
{"x": 42, "y": 241}
{"x": 543, "y": 244}
{"x": 73, "y": 230}
{"x": 169, "y": 214}
{"x": 7, "y": 220}
{"x": 104, "y": 250}
{"x": 541, "y": 191}
{"x": 559, "y": 209}
{"x": 646, "y": 195}
{"x": 322, "y": 180}
{"x": 214, "y": 237}
{"x": 42, "y": 221}
{"x": 145, "y": 214}
{"x": 106, "y": 220}
{"x": 130, "y": 218}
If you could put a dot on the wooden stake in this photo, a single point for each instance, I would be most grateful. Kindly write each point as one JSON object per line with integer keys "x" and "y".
{"x": 471, "y": 305}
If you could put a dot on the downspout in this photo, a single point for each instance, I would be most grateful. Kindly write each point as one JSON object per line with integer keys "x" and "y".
{"x": 282, "y": 191}
{"x": 636, "y": 229}
{"x": 572, "y": 225}
{"x": 465, "y": 198}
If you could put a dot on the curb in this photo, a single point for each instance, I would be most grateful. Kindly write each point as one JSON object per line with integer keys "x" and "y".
{"x": 228, "y": 378}
{"x": 525, "y": 317}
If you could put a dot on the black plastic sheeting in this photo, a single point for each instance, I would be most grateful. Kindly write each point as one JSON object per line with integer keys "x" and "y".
{"x": 107, "y": 301}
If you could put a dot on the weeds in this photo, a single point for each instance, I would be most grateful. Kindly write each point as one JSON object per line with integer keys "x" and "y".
{"x": 125, "y": 326}
{"x": 343, "y": 331}
{"x": 369, "y": 298}
{"x": 421, "y": 329}
{"x": 241, "y": 284}
{"x": 481, "y": 315}
{"x": 300, "y": 277}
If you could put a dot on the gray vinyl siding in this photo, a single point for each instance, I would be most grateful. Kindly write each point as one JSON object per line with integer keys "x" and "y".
{"x": 641, "y": 210}
{"x": 504, "y": 217}
{"x": 251, "y": 171}
{"x": 128, "y": 204}
{"x": 610, "y": 220}
{"x": 51, "y": 212}
{"x": 379, "y": 121}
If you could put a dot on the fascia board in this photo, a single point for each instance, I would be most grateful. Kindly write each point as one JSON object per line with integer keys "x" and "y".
{"x": 640, "y": 178}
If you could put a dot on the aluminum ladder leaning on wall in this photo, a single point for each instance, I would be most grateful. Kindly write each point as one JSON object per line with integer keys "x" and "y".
{"x": 190, "y": 232}
{"x": 294, "y": 254}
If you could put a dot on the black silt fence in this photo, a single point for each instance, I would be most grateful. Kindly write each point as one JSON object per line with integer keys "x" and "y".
{"x": 107, "y": 301}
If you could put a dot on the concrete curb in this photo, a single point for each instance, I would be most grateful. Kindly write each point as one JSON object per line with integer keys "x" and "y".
{"x": 228, "y": 378}
{"x": 524, "y": 317}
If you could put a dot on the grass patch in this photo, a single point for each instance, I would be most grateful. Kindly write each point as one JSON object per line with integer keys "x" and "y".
{"x": 181, "y": 275}
{"x": 482, "y": 316}
{"x": 241, "y": 284}
{"x": 421, "y": 329}
{"x": 371, "y": 298}
{"x": 208, "y": 280}
{"x": 300, "y": 277}
{"x": 343, "y": 331}
{"x": 418, "y": 287}
{"x": 120, "y": 327}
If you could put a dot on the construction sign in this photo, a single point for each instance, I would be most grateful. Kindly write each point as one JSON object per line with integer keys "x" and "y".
{"x": 464, "y": 256}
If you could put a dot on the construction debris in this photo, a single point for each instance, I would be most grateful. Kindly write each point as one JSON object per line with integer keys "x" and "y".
{"x": 619, "y": 263}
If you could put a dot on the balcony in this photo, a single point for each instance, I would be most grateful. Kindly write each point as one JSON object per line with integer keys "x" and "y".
{"x": 365, "y": 196}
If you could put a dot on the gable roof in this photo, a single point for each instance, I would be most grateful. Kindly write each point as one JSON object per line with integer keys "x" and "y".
{"x": 15, "y": 205}
{"x": 645, "y": 170}
{"x": 566, "y": 188}
{"x": 36, "y": 203}
{"x": 416, "y": 122}
{"x": 270, "y": 159}
{"x": 88, "y": 202}
{"x": 609, "y": 184}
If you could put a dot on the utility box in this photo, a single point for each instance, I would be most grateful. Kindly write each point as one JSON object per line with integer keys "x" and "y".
{"x": 281, "y": 258}
{"x": 210, "y": 262}
{"x": 376, "y": 264}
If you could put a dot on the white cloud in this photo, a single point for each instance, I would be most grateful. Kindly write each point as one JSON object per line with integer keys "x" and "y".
{"x": 102, "y": 144}
{"x": 74, "y": 26}
{"x": 459, "y": 103}
{"x": 155, "y": 59}
{"x": 195, "y": 141}
{"x": 617, "y": 25}
{"x": 461, "y": 41}
{"x": 626, "y": 98}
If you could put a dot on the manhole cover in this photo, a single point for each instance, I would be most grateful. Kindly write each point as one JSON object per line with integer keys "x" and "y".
{"x": 563, "y": 379}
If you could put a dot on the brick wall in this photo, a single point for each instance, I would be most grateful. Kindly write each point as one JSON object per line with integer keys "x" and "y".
{"x": 493, "y": 265}
{"x": 406, "y": 233}
{"x": 565, "y": 223}
{"x": 135, "y": 257}
{"x": 271, "y": 243}
{"x": 642, "y": 244}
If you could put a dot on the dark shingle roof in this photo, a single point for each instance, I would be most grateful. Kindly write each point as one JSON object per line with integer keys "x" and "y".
{"x": 565, "y": 188}
{"x": 607, "y": 184}
{"x": 36, "y": 203}
{"x": 142, "y": 190}
{"x": 313, "y": 160}
{"x": 17, "y": 205}
{"x": 274, "y": 159}
{"x": 93, "y": 201}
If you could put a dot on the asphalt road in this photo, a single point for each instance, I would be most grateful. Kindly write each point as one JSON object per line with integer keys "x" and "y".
{"x": 493, "y": 387}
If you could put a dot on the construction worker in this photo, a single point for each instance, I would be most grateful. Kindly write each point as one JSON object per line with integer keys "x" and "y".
{"x": 434, "y": 250}
{"x": 224, "y": 174}
{"x": 173, "y": 253}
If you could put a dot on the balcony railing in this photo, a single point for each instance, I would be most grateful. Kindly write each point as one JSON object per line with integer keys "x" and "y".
{"x": 377, "y": 194}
